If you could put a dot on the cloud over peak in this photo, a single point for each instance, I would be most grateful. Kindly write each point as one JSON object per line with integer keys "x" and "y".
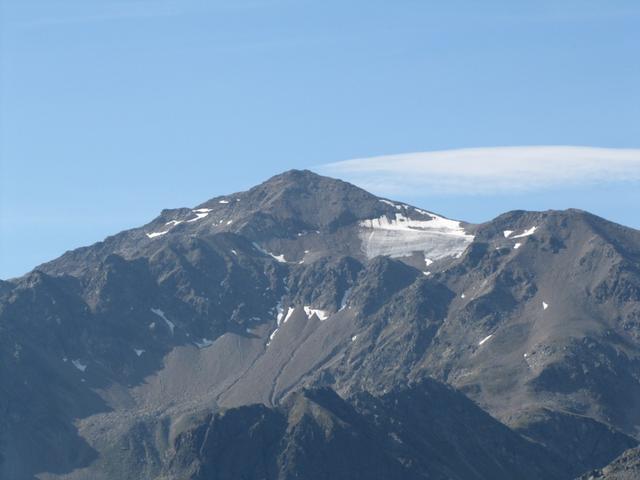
{"x": 493, "y": 170}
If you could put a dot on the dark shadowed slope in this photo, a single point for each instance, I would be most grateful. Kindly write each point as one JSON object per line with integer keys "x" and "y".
{"x": 421, "y": 432}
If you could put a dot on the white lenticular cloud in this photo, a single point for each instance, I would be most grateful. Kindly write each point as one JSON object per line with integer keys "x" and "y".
{"x": 492, "y": 170}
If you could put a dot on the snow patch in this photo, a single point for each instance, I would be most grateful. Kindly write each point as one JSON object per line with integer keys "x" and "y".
{"x": 138, "y": 351}
{"x": 272, "y": 336}
{"x": 200, "y": 213}
{"x": 170, "y": 224}
{"x": 545, "y": 305}
{"x": 205, "y": 342}
{"x": 462, "y": 296}
{"x": 280, "y": 312}
{"x": 279, "y": 258}
{"x": 79, "y": 365}
{"x": 345, "y": 298}
{"x": 426, "y": 273}
{"x": 428, "y": 261}
{"x": 223, "y": 201}
{"x": 156, "y": 234}
{"x": 438, "y": 237}
{"x": 526, "y": 233}
{"x": 485, "y": 339}
{"x": 288, "y": 315}
{"x": 321, "y": 314}
{"x": 161, "y": 314}
{"x": 517, "y": 246}
{"x": 507, "y": 233}
{"x": 354, "y": 338}
{"x": 234, "y": 252}
{"x": 398, "y": 207}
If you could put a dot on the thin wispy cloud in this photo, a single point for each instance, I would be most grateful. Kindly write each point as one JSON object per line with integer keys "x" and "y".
{"x": 487, "y": 171}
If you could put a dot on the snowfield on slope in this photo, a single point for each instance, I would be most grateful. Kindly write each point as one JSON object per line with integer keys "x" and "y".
{"x": 401, "y": 236}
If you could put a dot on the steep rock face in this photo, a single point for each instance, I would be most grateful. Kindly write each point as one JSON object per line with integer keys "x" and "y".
{"x": 111, "y": 349}
{"x": 554, "y": 339}
{"x": 625, "y": 467}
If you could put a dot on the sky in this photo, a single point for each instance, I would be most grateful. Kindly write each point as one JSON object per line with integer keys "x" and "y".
{"x": 113, "y": 110}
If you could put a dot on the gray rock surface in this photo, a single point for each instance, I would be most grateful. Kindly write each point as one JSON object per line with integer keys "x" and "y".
{"x": 625, "y": 467}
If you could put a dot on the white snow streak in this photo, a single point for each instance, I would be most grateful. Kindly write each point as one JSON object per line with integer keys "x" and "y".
{"x": 288, "y": 315}
{"x": 156, "y": 234}
{"x": 79, "y": 365}
{"x": 345, "y": 298}
{"x": 526, "y": 233}
{"x": 170, "y": 224}
{"x": 161, "y": 314}
{"x": 272, "y": 336}
{"x": 484, "y": 339}
{"x": 204, "y": 343}
{"x": 280, "y": 258}
{"x": 280, "y": 313}
{"x": 200, "y": 213}
{"x": 321, "y": 314}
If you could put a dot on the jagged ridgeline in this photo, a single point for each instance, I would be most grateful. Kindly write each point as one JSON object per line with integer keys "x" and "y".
{"x": 308, "y": 329}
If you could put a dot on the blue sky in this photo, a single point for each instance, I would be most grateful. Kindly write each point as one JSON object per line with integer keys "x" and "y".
{"x": 113, "y": 110}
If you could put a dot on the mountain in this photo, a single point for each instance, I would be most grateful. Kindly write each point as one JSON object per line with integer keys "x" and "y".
{"x": 116, "y": 359}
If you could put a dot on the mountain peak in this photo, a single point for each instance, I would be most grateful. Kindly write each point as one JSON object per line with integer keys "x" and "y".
{"x": 296, "y": 216}
{"x": 299, "y": 175}
{"x": 296, "y": 182}
{"x": 305, "y": 198}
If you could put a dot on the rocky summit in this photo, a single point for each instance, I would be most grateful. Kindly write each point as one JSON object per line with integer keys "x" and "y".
{"x": 307, "y": 329}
